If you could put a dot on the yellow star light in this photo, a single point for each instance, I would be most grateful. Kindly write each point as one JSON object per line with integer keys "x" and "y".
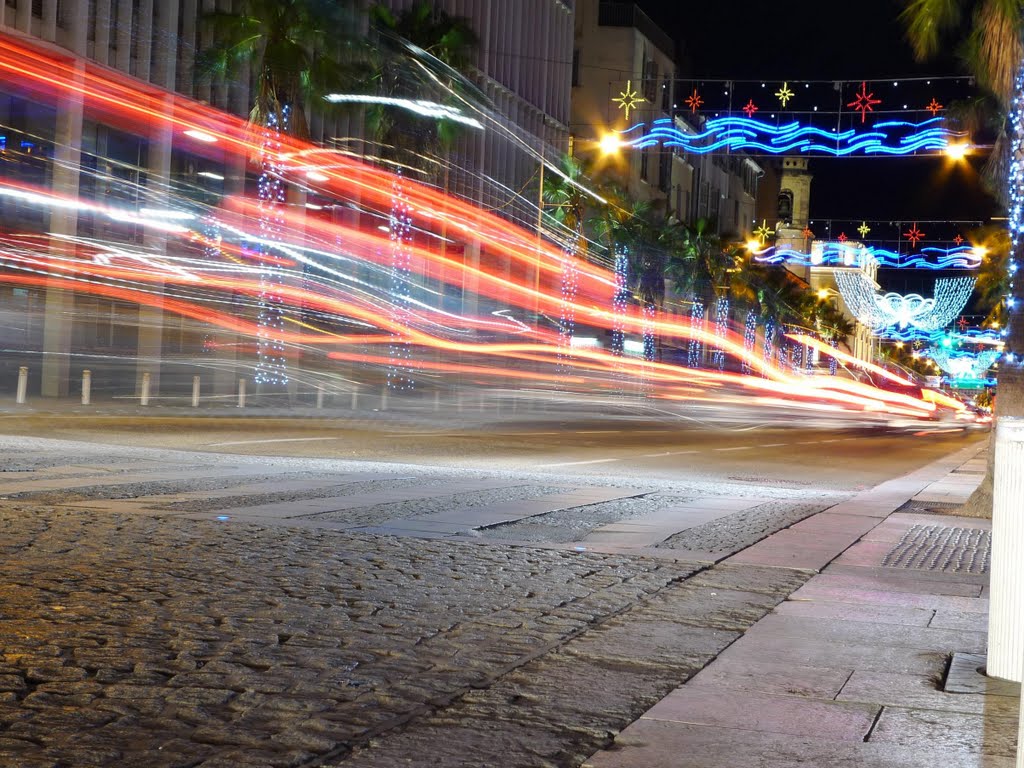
{"x": 784, "y": 93}
{"x": 763, "y": 232}
{"x": 863, "y": 229}
{"x": 629, "y": 98}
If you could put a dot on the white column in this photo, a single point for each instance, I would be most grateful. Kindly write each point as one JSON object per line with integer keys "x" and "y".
{"x": 1006, "y": 580}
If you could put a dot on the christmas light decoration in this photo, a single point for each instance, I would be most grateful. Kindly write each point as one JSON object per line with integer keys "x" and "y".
{"x": 763, "y": 232}
{"x": 620, "y": 299}
{"x": 693, "y": 101}
{"x": 784, "y": 94}
{"x": 833, "y": 364}
{"x": 864, "y": 102}
{"x": 744, "y": 134}
{"x": 830, "y": 254}
{"x": 271, "y": 366}
{"x": 958, "y": 240}
{"x": 893, "y": 311}
{"x": 1015, "y": 185}
{"x": 721, "y": 330}
{"x": 650, "y": 340}
{"x": 629, "y": 99}
{"x": 864, "y": 229}
{"x": 842, "y": 237}
{"x": 963, "y": 364}
{"x": 933, "y": 106}
{"x": 913, "y": 235}
{"x": 749, "y": 339}
{"x": 695, "y": 349}
{"x": 400, "y": 230}
{"x": 750, "y": 108}
{"x": 769, "y": 340}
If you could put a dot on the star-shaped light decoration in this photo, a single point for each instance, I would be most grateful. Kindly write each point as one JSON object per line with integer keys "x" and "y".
{"x": 933, "y": 106}
{"x": 807, "y": 232}
{"x": 784, "y": 94}
{"x": 863, "y": 229}
{"x": 958, "y": 240}
{"x": 864, "y": 102}
{"x": 629, "y": 99}
{"x": 913, "y": 235}
{"x": 842, "y": 237}
{"x": 962, "y": 322}
{"x": 751, "y": 108}
{"x": 694, "y": 100}
{"x": 763, "y": 232}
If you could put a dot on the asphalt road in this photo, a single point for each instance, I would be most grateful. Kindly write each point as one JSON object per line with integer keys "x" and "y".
{"x": 837, "y": 458}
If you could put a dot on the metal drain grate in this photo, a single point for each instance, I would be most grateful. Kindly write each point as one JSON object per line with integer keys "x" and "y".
{"x": 938, "y": 548}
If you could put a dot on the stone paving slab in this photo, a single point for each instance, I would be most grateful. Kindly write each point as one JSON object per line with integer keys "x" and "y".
{"x": 660, "y": 744}
{"x": 850, "y": 592}
{"x": 919, "y": 692}
{"x": 772, "y": 677}
{"x": 952, "y": 732}
{"x": 749, "y": 710}
{"x": 878, "y": 614}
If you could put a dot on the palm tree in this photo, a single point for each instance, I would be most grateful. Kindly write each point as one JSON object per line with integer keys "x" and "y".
{"x": 993, "y": 284}
{"x": 564, "y": 208}
{"x": 295, "y": 47}
{"x": 993, "y": 52}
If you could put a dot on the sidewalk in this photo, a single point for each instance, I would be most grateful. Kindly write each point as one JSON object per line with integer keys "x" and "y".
{"x": 851, "y": 670}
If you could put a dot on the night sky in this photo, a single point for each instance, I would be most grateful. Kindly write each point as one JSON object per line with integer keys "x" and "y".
{"x": 818, "y": 40}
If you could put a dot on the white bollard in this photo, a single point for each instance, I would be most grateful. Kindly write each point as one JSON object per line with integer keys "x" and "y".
{"x": 384, "y": 398}
{"x": 241, "y": 393}
{"x": 1006, "y": 580}
{"x": 355, "y": 399}
{"x": 86, "y": 386}
{"x": 195, "y": 391}
{"x": 144, "y": 399}
{"x": 22, "y": 385}
{"x": 319, "y": 397}
{"x": 437, "y": 400}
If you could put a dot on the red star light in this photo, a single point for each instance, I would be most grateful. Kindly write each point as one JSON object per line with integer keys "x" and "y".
{"x": 913, "y": 235}
{"x": 694, "y": 101}
{"x": 933, "y": 107}
{"x": 751, "y": 108}
{"x": 962, "y": 322}
{"x": 864, "y": 102}
{"x": 842, "y": 237}
{"x": 958, "y": 239}
{"x": 807, "y": 232}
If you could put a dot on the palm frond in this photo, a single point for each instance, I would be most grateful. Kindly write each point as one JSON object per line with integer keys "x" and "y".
{"x": 926, "y": 21}
{"x": 993, "y": 50}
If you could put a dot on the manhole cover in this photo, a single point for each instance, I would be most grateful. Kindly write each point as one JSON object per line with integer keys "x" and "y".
{"x": 928, "y": 507}
{"x": 938, "y": 548}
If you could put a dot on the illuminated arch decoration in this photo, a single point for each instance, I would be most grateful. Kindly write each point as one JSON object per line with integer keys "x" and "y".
{"x": 893, "y": 312}
{"x": 963, "y": 365}
{"x": 746, "y": 134}
{"x": 833, "y": 254}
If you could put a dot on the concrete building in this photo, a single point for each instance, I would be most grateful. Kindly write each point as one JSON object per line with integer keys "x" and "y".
{"x": 621, "y": 59}
{"x": 523, "y": 65}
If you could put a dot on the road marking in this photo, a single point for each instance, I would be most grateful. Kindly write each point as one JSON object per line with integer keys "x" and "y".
{"x": 666, "y": 453}
{"x": 837, "y": 440}
{"x": 575, "y": 463}
{"x": 737, "y": 448}
{"x": 518, "y": 434}
{"x": 808, "y": 442}
{"x": 274, "y": 440}
{"x": 772, "y": 445}
{"x": 597, "y": 431}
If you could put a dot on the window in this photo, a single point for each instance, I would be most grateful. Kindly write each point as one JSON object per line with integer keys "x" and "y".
{"x": 650, "y": 78}
{"x": 666, "y": 93}
{"x": 576, "y": 67}
{"x": 644, "y": 159}
{"x": 664, "y": 169}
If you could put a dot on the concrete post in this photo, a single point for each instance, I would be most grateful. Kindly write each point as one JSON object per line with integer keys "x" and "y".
{"x": 144, "y": 398}
{"x": 195, "y": 391}
{"x": 241, "y": 393}
{"x": 86, "y": 387}
{"x": 319, "y": 397}
{"x": 1006, "y": 606}
{"x": 355, "y": 399}
{"x": 384, "y": 398}
{"x": 22, "y": 385}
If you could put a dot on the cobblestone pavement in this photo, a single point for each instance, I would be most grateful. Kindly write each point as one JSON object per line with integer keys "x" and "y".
{"x": 152, "y": 638}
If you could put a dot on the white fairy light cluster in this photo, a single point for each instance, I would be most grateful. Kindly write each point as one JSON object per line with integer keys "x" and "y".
{"x": 894, "y": 311}
{"x": 769, "y": 340}
{"x": 271, "y": 366}
{"x": 695, "y": 351}
{"x": 721, "y": 328}
{"x": 963, "y": 364}
{"x": 749, "y": 337}
{"x": 570, "y": 287}
{"x": 620, "y": 300}
{"x": 400, "y": 230}
{"x": 1015, "y": 188}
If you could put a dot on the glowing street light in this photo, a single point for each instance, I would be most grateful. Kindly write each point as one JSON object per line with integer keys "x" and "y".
{"x": 610, "y": 144}
{"x": 957, "y": 151}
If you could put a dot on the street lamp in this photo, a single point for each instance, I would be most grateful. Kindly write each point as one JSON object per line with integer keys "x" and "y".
{"x": 957, "y": 151}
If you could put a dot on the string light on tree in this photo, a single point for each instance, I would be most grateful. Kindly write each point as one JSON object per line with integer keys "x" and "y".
{"x": 400, "y": 228}
{"x": 620, "y": 299}
{"x": 749, "y": 338}
{"x": 721, "y": 330}
{"x": 695, "y": 350}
